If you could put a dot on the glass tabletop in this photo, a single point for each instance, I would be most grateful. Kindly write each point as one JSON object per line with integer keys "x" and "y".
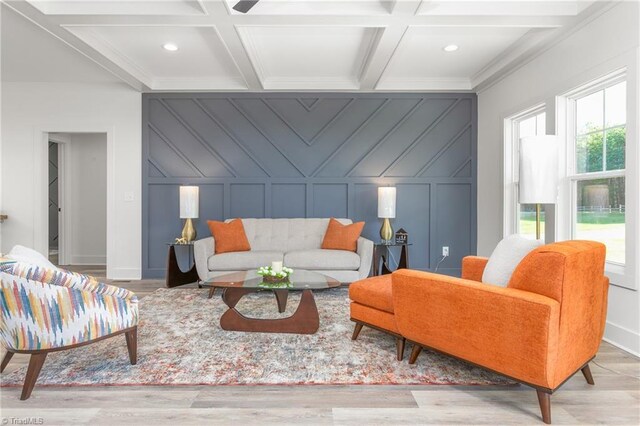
{"x": 300, "y": 279}
{"x": 392, "y": 244}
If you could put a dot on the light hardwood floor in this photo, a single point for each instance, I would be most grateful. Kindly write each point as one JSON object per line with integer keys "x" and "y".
{"x": 615, "y": 399}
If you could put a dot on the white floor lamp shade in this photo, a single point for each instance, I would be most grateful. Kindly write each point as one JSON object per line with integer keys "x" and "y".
{"x": 538, "y": 170}
{"x": 538, "y": 183}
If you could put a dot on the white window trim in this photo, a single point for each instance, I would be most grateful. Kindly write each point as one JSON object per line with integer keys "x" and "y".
{"x": 620, "y": 275}
{"x": 511, "y": 167}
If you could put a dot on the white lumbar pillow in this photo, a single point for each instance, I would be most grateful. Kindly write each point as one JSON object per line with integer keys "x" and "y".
{"x": 506, "y": 256}
{"x": 26, "y": 255}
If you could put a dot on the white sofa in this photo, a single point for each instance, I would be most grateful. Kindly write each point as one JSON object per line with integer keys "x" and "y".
{"x": 295, "y": 242}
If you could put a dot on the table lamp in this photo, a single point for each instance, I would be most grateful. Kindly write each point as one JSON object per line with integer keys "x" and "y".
{"x": 538, "y": 182}
{"x": 189, "y": 205}
{"x": 386, "y": 211}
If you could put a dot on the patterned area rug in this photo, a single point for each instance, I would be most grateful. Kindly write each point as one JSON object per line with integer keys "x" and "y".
{"x": 180, "y": 342}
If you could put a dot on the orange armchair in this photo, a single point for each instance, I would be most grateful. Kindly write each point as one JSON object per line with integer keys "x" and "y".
{"x": 540, "y": 330}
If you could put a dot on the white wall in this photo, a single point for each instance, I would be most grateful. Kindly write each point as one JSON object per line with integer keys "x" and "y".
{"x": 29, "y": 111}
{"x": 87, "y": 185}
{"x": 607, "y": 43}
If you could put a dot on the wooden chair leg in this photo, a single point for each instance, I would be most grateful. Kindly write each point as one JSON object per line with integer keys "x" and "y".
{"x": 132, "y": 345}
{"x": 33, "y": 371}
{"x": 414, "y": 353}
{"x": 356, "y": 331}
{"x": 586, "y": 372}
{"x": 544, "y": 399}
{"x": 5, "y": 360}
{"x": 400, "y": 342}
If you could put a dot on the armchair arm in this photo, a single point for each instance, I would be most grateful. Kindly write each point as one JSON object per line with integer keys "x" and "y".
{"x": 37, "y": 315}
{"x": 365, "y": 251}
{"x": 473, "y": 267}
{"x": 510, "y": 331}
{"x": 202, "y": 250}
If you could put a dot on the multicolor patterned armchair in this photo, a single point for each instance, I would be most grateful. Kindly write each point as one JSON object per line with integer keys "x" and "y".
{"x": 47, "y": 310}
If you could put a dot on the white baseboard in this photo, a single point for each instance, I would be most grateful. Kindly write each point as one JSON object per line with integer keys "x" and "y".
{"x": 623, "y": 338}
{"x": 124, "y": 274}
{"x": 81, "y": 259}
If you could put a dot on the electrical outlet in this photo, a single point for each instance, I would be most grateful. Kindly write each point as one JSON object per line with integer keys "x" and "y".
{"x": 445, "y": 251}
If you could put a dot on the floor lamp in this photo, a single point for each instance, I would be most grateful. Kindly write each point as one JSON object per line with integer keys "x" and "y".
{"x": 538, "y": 182}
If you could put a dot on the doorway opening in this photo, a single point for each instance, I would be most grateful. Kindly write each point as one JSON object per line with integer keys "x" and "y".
{"x": 77, "y": 201}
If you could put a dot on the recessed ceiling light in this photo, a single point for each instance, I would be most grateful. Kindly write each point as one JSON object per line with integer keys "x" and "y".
{"x": 450, "y": 48}
{"x": 170, "y": 47}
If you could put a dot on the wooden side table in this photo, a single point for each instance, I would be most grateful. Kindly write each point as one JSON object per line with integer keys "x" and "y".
{"x": 175, "y": 276}
{"x": 381, "y": 255}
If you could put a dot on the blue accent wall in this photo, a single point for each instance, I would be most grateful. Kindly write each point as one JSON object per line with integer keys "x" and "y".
{"x": 313, "y": 155}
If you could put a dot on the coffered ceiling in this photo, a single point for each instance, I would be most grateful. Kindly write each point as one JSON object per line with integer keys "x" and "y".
{"x": 332, "y": 45}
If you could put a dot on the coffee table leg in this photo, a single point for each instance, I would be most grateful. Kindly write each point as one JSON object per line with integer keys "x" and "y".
{"x": 305, "y": 320}
{"x": 281, "y": 297}
{"x": 231, "y": 296}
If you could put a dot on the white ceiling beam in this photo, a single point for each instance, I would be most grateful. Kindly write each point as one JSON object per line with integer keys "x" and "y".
{"x": 398, "y": 17}
{"x": 231, "y": 39}
{"x": 35, "y": 16}
{"x": 388, "y": 43}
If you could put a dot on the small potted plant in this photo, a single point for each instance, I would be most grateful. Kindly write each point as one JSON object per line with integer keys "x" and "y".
{"x": 271, "y": 275}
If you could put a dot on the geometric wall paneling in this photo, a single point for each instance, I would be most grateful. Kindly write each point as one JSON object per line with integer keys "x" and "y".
{"x": 330, "y": 200}
{"x": 247, "y": 200}
{"x": 288, "y": 200}
{"x": 413, "y": 215}
{"x": 313, "y": 155}
{"x": 453, "y": 227}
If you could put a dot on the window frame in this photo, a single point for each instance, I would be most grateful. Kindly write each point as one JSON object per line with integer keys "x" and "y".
{"x": 511, "y": 161}
{"x": 572, "y": 176}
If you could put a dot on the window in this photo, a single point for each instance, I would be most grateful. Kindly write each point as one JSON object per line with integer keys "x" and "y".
{"x": 531, "y": 124}
{"x": 598, "y": 172}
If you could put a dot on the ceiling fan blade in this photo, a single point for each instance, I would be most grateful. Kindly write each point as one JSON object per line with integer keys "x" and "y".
{"x": 243, "y": 6}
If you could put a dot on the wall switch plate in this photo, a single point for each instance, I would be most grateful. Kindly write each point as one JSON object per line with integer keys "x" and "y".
{"x": 445, "y": 251}
{"x": 128, "y": 196}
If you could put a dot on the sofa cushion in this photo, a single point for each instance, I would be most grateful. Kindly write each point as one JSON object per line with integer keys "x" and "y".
{"x": 229, "y": 236}
{"x": 320, "y": 259}
{"x": 286, "y": 234}
{"x": 506, "y": 256}
{"x": 342, "y": 237}
{"x": 243, "y": 260}
{"x": 374, "y": 292}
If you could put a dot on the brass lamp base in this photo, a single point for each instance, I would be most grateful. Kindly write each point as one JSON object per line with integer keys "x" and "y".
{"x": 188, "y": 232}
{"x": 386, "y": 231}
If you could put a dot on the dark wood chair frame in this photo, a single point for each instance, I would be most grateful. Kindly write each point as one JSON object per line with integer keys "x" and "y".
{"x": 400, "y": 340}
{"x": 544, "y": 394}
{"x": 38, "y": 357}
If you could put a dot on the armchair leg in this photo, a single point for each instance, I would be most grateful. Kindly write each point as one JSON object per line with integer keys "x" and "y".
{"x": 400, "y": 342}
{"x": 132, "y": 345}
{"x": 5, "y": 360}
{"x": 544, "y": 399}
{"x": 586, "y": 372}
{"x": 414, "y": 353}
{"x": 33, "y": 371}
{"x": 356, "y": 331}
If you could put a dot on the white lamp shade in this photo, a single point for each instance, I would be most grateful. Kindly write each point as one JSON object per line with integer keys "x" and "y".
{"x": 538, "y": 170}
{"x": 387, "y": 202}
{"x": 189, "y": 202}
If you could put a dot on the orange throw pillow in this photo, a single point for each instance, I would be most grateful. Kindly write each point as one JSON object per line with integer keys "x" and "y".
{"x": 229, "y": 236}
{"x": 342, "y": 237}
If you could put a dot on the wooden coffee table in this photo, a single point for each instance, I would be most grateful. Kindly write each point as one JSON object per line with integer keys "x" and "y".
{"x": 305, "y": 320}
